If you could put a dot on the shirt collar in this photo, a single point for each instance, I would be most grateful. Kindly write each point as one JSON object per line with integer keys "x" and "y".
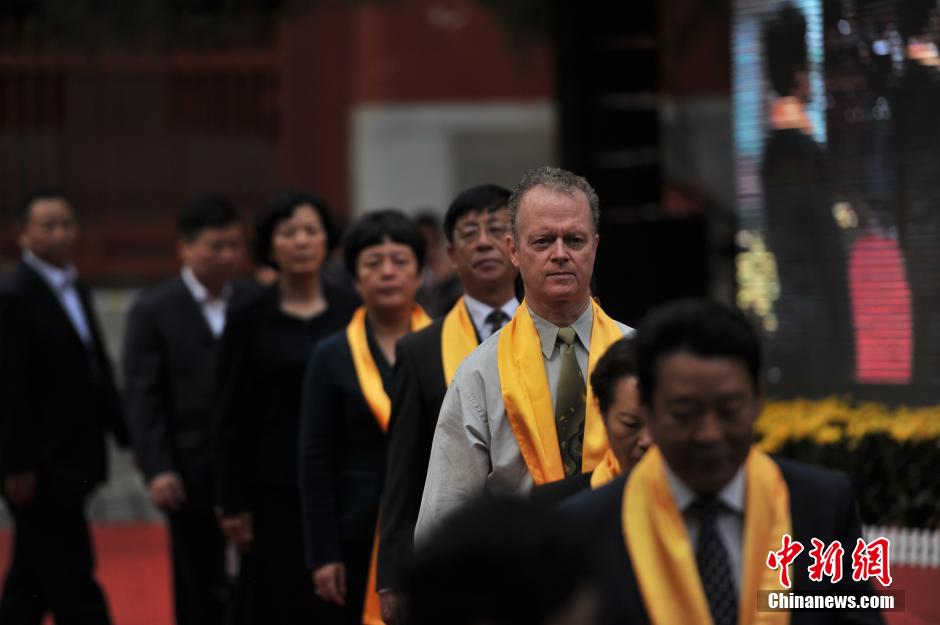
{"x": 201, "y": 293}
{"x": 732, "y": 495}
{"x": 479, "y": 311}
{"x": 58, "y": 278}
{"x": 548, "y": 331}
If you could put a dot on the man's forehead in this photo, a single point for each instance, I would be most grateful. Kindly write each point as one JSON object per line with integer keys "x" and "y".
{"x": 46, "y": 208}
{"x": 679, "y": 371}
{"x": 543, "y": 192}
{"x": 482, "y": 214}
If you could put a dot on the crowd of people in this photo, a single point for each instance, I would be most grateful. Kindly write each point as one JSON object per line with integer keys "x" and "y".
{"x": 524, "y": 458}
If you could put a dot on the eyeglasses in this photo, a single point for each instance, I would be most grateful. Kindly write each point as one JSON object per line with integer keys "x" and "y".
{"x": 470, "y": 233}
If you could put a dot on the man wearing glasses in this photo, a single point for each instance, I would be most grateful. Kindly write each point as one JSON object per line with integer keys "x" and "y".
{"x": 477, "y": 227}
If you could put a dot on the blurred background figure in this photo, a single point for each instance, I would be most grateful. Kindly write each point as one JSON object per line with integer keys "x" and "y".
{"x": 346, "y": 410}
{"x": 505, "y": 562}
{"x": 265, "y": 349}
{"x": 813, "y": 347}
{"x": 59, "y": 400}
{"x": 170, "y": 351}
{"x": 440, "y": 284}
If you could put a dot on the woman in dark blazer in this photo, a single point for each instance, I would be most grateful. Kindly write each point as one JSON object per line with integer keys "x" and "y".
{"x": 264, "y": 352}
{"x": 346, "y": 409}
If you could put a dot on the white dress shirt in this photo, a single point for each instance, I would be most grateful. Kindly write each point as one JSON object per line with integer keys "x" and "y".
{"x": 480, "y": 311}
{"x": 212, "y": 309}
{"x": 730, "y": 520}
{"x": 62, "y": 283}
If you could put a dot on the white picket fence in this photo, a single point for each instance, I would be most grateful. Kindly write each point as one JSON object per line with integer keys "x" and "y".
{"x": 909, "y": 546}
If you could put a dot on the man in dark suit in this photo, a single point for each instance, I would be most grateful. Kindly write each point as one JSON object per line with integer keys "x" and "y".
{"x": 59, "y": 400}
{"x": 476, "y": 226}
{"x": 672, "y": 530}
{"x": 170, "y": 354}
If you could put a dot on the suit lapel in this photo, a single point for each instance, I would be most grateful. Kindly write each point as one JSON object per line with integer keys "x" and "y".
{"x": 50, "y": 302}
{"x": 193, "y": 314}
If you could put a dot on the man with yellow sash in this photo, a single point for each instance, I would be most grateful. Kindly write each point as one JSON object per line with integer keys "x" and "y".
{"x": 687, "y": 532}
{"x": 616, "y": 391}
{"x": 476, "y": 226}
{"x": 518, "y": 411}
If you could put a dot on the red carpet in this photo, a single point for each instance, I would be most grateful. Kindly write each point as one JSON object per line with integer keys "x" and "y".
{"x": 133, "y": 567}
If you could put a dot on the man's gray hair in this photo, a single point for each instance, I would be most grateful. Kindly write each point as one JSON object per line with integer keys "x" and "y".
{"x": 558, "y": 180}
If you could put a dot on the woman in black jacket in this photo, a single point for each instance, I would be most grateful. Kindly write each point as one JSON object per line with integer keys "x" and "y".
{"x": 265, "y": 349}
{"x": 346, "y": 409}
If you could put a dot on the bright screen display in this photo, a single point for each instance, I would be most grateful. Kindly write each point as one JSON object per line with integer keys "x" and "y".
{"x": 837, "y": 154}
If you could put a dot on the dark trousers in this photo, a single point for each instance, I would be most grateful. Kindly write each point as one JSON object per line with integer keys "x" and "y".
{"x": 275, "y": 587}
{"x": 198, "y": 553}
{"x": 52, "y": 568}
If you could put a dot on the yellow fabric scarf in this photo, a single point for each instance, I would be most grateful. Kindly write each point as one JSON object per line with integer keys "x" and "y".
{"x": 528, "y": 399}
{"x": 370, "y": 383}
{"x": 607, "y": 471}
{"x": 458, "y": 339}
{"x": 664, "y": 560}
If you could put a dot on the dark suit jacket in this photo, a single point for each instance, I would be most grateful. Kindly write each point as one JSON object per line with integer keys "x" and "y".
{"x": 553, "y": 493}
{"x": 169, "y": 377}
{"x": 821, "y": 506}
{"x": 342, "y": 453}
{"x": 418, "y": 390}
{"x": 59, "y": 395}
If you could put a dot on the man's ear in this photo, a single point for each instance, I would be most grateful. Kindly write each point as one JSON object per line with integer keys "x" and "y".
{"x": 450, "y": 254}
{"x": 513, "y": 258}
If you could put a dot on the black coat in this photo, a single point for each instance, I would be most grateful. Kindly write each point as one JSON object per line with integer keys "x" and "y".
{"x": 170, "y": 358}
{"x": 418, "y": 390}
{"x": 342, "y": 453}
{"x": 821, "y": 506}
{"x": 59, "y": 395}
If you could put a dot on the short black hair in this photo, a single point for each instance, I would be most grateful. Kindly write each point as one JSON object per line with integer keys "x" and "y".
{"x": 616, "y": 363}
{"x": 41, "y": 193}
{"x": 282, "y": 207}
{"x": 700, "y": 327}
{"x": 785, "y": 48}
{"x": 374, "y": 227}
{"x": 474, "y": 570}
{"x": 205, "y": 211}
{"x": 484, "y": 197}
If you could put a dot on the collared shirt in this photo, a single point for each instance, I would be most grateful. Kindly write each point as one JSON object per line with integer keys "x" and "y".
{"x": 551, "y": 350}
{"x": 62, "y": 283}
{"x": 730, "y": 520}
{"x": 212, "y": 309}
{"x": 480, "y": 311}
{"x": 474, "y": 448}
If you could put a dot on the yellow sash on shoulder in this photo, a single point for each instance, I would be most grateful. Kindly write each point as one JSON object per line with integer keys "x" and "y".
{"x": 664, "y": 560}
{"x": 607, "y": 471}
{"x": 370, "y": 383}
{"x": 528, "y": 400}
{"x": 458, "y": 339}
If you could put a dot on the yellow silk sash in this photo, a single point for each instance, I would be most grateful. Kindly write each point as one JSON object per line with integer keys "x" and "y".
{"x": 458, "y": 339}
{"x": 370, "y": 383}
{"x": 528, "y": 400}
{"x": 664, "y": 560}
{"x": 607, "y": 471}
